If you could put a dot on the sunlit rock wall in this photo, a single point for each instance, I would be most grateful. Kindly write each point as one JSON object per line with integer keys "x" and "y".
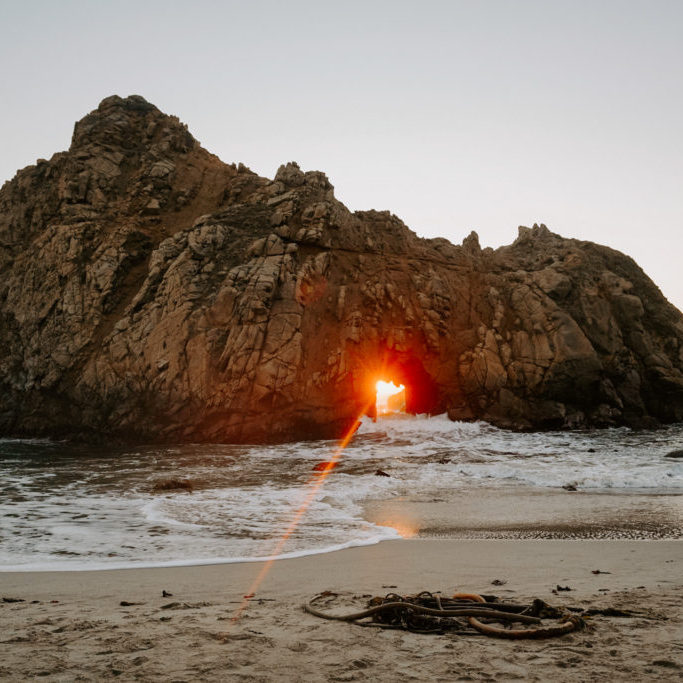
{"x": 150, "y": 291}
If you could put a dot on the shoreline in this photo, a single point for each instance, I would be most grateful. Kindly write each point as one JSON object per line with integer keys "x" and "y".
{"x": 445, "y": 480}
{"x": 303, "y": 555}
{"x": 522, "y": 514}
{"x": 627, "y": 561}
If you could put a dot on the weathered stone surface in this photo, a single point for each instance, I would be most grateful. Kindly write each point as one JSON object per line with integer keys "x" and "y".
{"x": 150, "y": 291}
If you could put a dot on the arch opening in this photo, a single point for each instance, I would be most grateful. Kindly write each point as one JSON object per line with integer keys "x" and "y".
{"x": 390, "y": 398}
{"x": 400, "y": 384}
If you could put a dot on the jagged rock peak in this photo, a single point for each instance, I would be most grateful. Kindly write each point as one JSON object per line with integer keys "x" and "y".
{"x": 471, "y": 242}
{"x": 132, "y": 102}
{"x": 291, "y": 175}
{"x": 536, "y": 232}
{"x": 128, "y": 123}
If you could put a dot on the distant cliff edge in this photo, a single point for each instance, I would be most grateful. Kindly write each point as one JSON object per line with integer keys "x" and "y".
{"x": 149, "y": 291}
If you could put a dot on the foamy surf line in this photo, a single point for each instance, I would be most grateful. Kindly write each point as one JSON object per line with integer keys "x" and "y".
{"x": 82, "y": 508}
{"x": 77, "y": 566}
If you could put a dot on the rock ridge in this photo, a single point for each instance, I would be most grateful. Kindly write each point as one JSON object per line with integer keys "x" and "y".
{"x": 149, "y": 291}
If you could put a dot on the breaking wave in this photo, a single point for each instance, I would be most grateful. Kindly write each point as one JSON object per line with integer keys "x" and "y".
{"x": 76, "y": 507}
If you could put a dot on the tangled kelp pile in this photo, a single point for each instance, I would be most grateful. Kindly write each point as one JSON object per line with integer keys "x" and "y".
{"x": 464, "y": 614}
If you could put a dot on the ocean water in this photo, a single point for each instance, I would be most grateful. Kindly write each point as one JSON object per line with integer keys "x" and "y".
{"x": 85, "y": 507}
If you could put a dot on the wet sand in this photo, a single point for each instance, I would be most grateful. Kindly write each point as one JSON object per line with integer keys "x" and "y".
{"x": 532, "y": 513}
{"x": 72, "y": 626}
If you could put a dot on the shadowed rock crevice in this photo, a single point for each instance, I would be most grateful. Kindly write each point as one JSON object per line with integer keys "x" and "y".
{"x": 150, "y": 291}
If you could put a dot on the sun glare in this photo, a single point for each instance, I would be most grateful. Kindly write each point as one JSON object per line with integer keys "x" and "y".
{"x": 385, "y": 390}
{"x": 406, "y": 528}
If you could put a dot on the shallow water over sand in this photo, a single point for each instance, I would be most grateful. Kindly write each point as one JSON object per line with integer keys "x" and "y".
{"x": 65, "y": 506}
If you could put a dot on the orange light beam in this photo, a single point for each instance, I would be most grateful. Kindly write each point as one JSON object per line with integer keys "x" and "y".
{"x": 314, "y": 486}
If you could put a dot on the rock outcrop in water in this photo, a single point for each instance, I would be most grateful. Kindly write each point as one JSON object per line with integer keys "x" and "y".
{"x": 150, "y": 291}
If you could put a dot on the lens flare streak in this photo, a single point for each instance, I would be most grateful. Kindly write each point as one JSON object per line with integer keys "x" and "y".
{"x": 314, "y": 485}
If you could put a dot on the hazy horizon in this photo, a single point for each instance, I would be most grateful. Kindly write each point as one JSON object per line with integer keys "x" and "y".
{"x": 455, "y": 116}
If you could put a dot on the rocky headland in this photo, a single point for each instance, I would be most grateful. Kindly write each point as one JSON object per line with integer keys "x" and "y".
{"x": 150, "y": 291}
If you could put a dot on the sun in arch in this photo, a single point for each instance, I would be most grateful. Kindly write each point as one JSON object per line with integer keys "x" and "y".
{"x": 386, "y": 391}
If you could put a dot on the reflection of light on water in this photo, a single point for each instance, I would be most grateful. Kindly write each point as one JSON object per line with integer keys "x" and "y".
{"x": 405, "y": 526}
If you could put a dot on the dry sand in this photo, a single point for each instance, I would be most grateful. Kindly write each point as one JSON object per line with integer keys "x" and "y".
{"x": 72, "y": 626}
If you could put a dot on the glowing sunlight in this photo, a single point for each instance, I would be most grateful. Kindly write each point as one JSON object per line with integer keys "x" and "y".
{"x": 385, "y": 391}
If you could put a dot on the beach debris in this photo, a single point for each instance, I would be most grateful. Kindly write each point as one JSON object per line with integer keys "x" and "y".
{"x": 599, "y": 571}
{"x": 559, "y": 588}
{"x": 381, "y": 473}
{"x": 498, "y": 582}
{"x": 570, "y": 487}
{"x": 675, "y": 454}
{"x": 389, "y": 585}
{"x": 166, "y": 594}
{"x": 669, "y": 664}
{"x": 13, "y": 600}
{"x": 171, "y": 605}
{"x": 125, "y": 603}
{"x": 461, "y": 614}
{"x": 325, "y": 466}
{"x": 173, "y": 484}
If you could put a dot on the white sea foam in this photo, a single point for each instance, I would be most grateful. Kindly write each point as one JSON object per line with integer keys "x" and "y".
{"x": 79, "y": 508}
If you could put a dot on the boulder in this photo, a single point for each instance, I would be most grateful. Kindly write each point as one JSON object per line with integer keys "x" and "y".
{"x": 150, "y": 291}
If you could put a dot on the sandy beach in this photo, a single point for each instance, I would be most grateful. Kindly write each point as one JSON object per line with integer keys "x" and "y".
{"x": 72, "y": 626}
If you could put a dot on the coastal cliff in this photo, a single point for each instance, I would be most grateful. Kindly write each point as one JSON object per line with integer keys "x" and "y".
{"x": 150, "y": 291}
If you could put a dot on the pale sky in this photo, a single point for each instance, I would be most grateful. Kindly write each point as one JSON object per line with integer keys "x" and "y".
{"x": 454, "y": 115}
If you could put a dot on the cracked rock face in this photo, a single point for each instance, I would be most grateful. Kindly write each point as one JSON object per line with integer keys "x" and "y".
{"x": 150, "y": 291}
